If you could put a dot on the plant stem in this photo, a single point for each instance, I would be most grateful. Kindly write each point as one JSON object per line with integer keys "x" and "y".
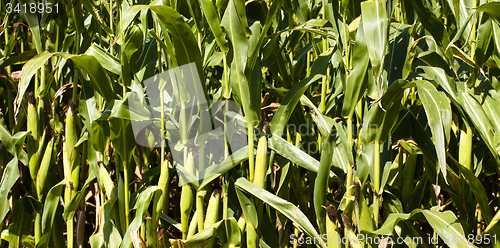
{"x": 324, "y": 81}
{"x": 111, "y": 50}
{"x": 126, "y": 189}
{"x": 251, "y": 159}
{"x": 376, "y": 182}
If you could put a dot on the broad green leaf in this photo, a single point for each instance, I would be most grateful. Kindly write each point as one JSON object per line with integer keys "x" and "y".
{"x": 447, "y": 227}
{"x": 122, "y": 135}
{"x": 296, "y": 155}
{"x": 356, "y": 82}
{"x": 185, "y": 44}
{"x": 484, "y": 35}
{"x": 431, "y": 23}
{"x": 482, "y": 198}
{"x": 440, "y": 77}
{"x": 22, "y": 58}
{"x": 33, "y": 22}
{"x": 476, "y": 113}
{"x": 229, "y": 233}
{"x": 29, "y": 69}
{"x": 99, "y": 79}
{"x": 9, "y": 178}
{"x": 462, "y": 10}
{"x": 195, "y": 10}
{"x": 321, "y": 182}
{"x": 49, "y": 211}
{"x": 203, "y": 237}
{"x": 106, "y": 60}
{"x": 438, "y": 109}
{"x": 141, "y": 206}
{"x": 286, "y": 208}
{"x": 375, "y": 25}
{"x": 239, "y": 82}
{"x": 249, "y": 209}
{"x": 213, "y": 20}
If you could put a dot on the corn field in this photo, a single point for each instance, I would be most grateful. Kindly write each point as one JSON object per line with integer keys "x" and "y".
{"x": 357, "y": 123}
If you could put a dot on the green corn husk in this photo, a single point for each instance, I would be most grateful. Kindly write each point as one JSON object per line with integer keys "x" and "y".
{"x": 71, "y": 140}
{"x": 44, "y": 168}
{"x": 186, "y": 205}
{"x": 200, "y": 200}
{"x": 261, "y": 163}
{"x": 213, "y": 209}
{"x": 186, "y": 198}
{"x": 32, "y": 141}
{"x": 212, "y": 213}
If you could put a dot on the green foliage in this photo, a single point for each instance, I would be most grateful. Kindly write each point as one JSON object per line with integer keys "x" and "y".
{"x": 371, "y": 118}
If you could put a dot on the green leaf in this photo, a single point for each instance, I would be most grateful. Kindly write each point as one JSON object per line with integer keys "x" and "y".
{"x": 239, "y": 82}
{"x": 99, "y": 79}
{"x": 18, "y": 59}
{"x": 9, "y": 178}
{"x": 447, "y": 227}
{"x": 49, "y": 211}
{"x": 476, "y": 113}
{"x": 203, "y": 237}
{"x": 375, "y": 25}
{"x": 229, "y": 233}
{"x": 186, "y": 46}
{"x": 106, "y": 60}
{"x": 249, "y": 209}
{"x": 286, "y": 208}
{"x": 32, "y": 19}
{"x": 141, "y": 206}
{"x": 29, "y": 69}
{"x": 296, "y": 155}
{"x": 23, "y": 214}
{"x": 482, "y": 198}
{"x": 321, "y": 182}
{"x": 195, "y": 10}
{"x": 213, "y": 20}
{"x": 438, "y": 109}
{"x": 431, "y": 23}
{"x": 356, "y": 82}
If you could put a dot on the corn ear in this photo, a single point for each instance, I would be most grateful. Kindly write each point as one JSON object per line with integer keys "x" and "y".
{"x": 32, "y": 144}
{"x": 71, "y": 139}
{"x": 200, "y": 202}
{"x": 186, "y": 197}
{"x": 261, "y": 163}
{"x": 212, "y": 213}
{"x": 213, "y": 209}
{"x": 44, "y": 168}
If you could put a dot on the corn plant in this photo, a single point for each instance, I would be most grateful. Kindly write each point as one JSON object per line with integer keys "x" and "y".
{"x": 362, "y": 123}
